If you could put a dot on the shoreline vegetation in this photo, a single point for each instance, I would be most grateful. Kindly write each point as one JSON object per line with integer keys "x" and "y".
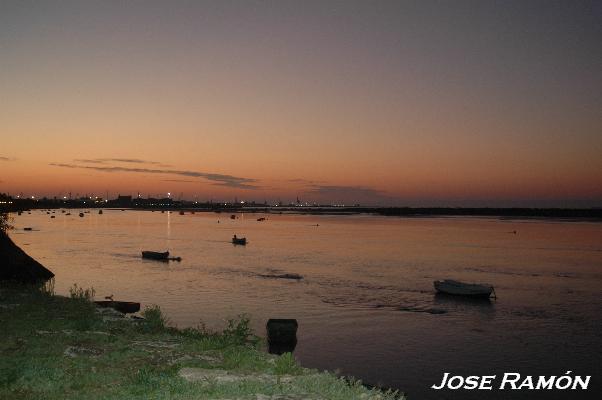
{"x": 57, "y": 347}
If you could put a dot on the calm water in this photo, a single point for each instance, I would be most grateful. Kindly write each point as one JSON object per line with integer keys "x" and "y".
{"x": 366, "y": 305}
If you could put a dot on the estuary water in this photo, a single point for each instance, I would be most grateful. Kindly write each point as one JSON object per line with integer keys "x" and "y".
{"x": 366, "y": 306}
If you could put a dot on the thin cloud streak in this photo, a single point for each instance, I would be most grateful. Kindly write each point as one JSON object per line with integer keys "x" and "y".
{"x": 90, "y": 161}
{"x": 121, "y": 160}
{"x": 217, "y": 179}
{"x": 178, "y": 180}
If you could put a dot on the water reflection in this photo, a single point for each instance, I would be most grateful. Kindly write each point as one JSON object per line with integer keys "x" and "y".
{"x": 168, "y": 232}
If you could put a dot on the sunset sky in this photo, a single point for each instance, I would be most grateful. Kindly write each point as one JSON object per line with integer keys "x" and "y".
{"x": 372, "y": 102}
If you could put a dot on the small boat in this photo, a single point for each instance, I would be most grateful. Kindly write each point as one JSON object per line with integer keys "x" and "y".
{"x": 81, "y": 215}
{"x": 156, "y": 255}
{"x": 27, "y": 229}
{"x": 261, "y": 219}
{"x": 68, "y": 214}
{"x": 52, "y": 216}
{"x": 232, "y": 216}
{"x": 237, "y": 240}
{"x": 449, "y": 286}
{"x": 282, "y": 276}
{"x": 100, "y": 211}
{"x": 125, "y": 307}
{"x": 182, "y": 212}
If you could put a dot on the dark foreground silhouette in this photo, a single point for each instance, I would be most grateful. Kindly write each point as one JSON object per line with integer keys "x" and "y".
{"x": 16, "y": 265}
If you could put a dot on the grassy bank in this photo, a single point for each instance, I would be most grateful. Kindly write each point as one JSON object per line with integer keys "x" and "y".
{"x": 56, "y": 347}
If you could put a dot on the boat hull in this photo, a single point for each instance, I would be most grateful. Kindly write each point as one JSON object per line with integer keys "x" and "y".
{"x": 155, "y": 255}
{"x": 455, "y": 288}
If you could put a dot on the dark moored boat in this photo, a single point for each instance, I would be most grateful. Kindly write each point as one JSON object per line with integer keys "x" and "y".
{"x": 156, "y": 255}
{"x": 449, "y": 286}
{"x": 237, "y": 240}
{"x": 125, "y": 307}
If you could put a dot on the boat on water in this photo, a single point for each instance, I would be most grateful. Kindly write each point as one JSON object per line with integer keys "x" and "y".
{"x": 100, "y": 211}
{"x": 237, "y": 240}
{"x": 456, "y": 288}
{"x": 156, "y": 255}
{"x": 261, "y": 219}
{"x": 81, "y": 215}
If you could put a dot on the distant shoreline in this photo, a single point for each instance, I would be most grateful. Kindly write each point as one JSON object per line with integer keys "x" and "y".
{"x": 409, "y": 212}
{"x": 593, "y": 214}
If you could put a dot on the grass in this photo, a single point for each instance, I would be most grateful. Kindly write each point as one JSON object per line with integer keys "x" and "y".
{"x": 56, "y": 347}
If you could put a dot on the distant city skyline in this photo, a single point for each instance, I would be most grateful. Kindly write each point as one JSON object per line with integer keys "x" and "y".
{"x": 417, "y": 103}
{"x": 309, "y": 201}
